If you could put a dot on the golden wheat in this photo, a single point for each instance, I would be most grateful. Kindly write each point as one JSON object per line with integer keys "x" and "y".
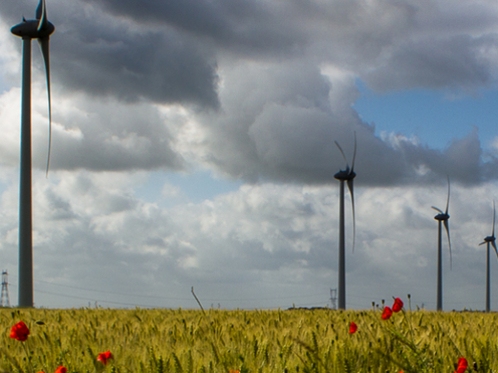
{"x": 188, "y": 341}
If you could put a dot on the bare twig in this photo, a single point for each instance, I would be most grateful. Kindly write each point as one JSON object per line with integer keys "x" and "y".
{"x": 197, "y": 299}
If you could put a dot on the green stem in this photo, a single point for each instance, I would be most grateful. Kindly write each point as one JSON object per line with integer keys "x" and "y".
{"x": 409, "y": 324}
{"x": 27, "y": 357}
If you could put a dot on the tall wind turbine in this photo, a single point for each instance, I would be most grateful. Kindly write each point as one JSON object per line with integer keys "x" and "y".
{"x": 442, "y": 217}
{"x": 489, "y": 240}
{"x": 41, "y": 29}
{"x": 347, "y": 175}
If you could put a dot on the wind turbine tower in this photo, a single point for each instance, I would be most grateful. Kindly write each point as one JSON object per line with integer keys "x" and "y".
{"x": 41, "y": 29}
{"x": 442, "y": 218}
{"x": 348, "y": 176}
{"x": 489, "y": 240}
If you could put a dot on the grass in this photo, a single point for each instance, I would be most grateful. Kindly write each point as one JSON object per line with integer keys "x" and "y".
{"x": 188, "y": 341}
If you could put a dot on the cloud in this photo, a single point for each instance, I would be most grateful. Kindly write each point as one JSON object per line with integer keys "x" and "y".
{"x": 265, "y": 87}
{"x": 132, "y": 67}
{"x": 454, "y": 63}
{"x": 461, "y": 160}
{"x": 256, "y": 91}
{"x": 268, "y": 132}
{"x": 254, "y": 27}
{"x": 91, "y": 134}
{"x": 272, "y": 244}
{"x": 101, "y": 55}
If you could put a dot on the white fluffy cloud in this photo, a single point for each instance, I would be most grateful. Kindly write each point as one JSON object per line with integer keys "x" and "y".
{"x": 272, "y": 244}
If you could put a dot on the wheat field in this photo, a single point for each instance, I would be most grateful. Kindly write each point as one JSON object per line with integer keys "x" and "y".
{"x": 192, "y": 341}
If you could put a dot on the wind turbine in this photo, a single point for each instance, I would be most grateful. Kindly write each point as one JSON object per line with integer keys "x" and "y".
{"x": 489, "y": 240}
{"x": 442, "y": 217}
{"x": 41, "y": 29}
{"x": 347, "y": 175}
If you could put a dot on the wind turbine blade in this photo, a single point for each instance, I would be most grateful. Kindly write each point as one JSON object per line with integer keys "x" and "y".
{"x": 351, "y": 191}
{"x": 447, "y": 227}
{"x": 494, "y": 247}
{"x": 354, "y": 153}
{"x": 494, "y": 216}
{"x": 343, "y": 155}
{"x": 435, "y": 208}
{"x": 482, "y": 243}
{"x": 448, "y": 200}
{"x": 41, "y": 14}
{"x": 44, "y": 46}
{"x": 39, "y": 9}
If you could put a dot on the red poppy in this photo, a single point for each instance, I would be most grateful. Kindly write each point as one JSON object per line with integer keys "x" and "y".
{"x": 462, "y": 365}
{"x": 398, "y": 305}
{"x": 61, "y": 369}
{"x": 353, "y": 328}
{"x": 386, "y": 315}
{"x": 104, "y": 356}
{"x": 19, "y": 331}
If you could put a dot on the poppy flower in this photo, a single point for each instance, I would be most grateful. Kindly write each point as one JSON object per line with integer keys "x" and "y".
{"x": 353, "y": 328}
{"x": 19, "y": 331}
{"x": 398, "y": 305}
{"x": 61, "y": 369}
{"x": 234, "y": 371}
{"x": 462, "y": 365}
{"x": 104, "y": 356}
{"x": 386, "y": 315}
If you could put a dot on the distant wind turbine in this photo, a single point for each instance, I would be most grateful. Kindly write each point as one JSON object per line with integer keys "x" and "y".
{"x": 489, "y": 240}
{"x": 41, "y": 29}
{"x": 442, "y": 217}
{"x": 344, "y": 175}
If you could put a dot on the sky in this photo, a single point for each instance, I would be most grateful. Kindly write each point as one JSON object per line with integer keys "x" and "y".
{"x": 193, "y": 145}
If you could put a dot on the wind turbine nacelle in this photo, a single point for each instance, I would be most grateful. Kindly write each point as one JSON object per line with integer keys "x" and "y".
{"x": 29, "y": 29}
{"x": 345, "y": 175}
{"x": 442, "y": 217}
{"x": 489, "y": 239}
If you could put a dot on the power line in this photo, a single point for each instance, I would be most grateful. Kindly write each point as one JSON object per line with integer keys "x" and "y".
{"x": 178, "y": 298}
{"x": 134, "y": 304}
{"x": 98, "y": 300}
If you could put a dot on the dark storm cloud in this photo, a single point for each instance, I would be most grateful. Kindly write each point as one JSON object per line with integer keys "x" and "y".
{"x": 263, "y": 66}
{"x": 167, "y": 51}
{"x": 239, "y": 25}
{"x": 159, "y": 67}
{"x": 96, "y": 53}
